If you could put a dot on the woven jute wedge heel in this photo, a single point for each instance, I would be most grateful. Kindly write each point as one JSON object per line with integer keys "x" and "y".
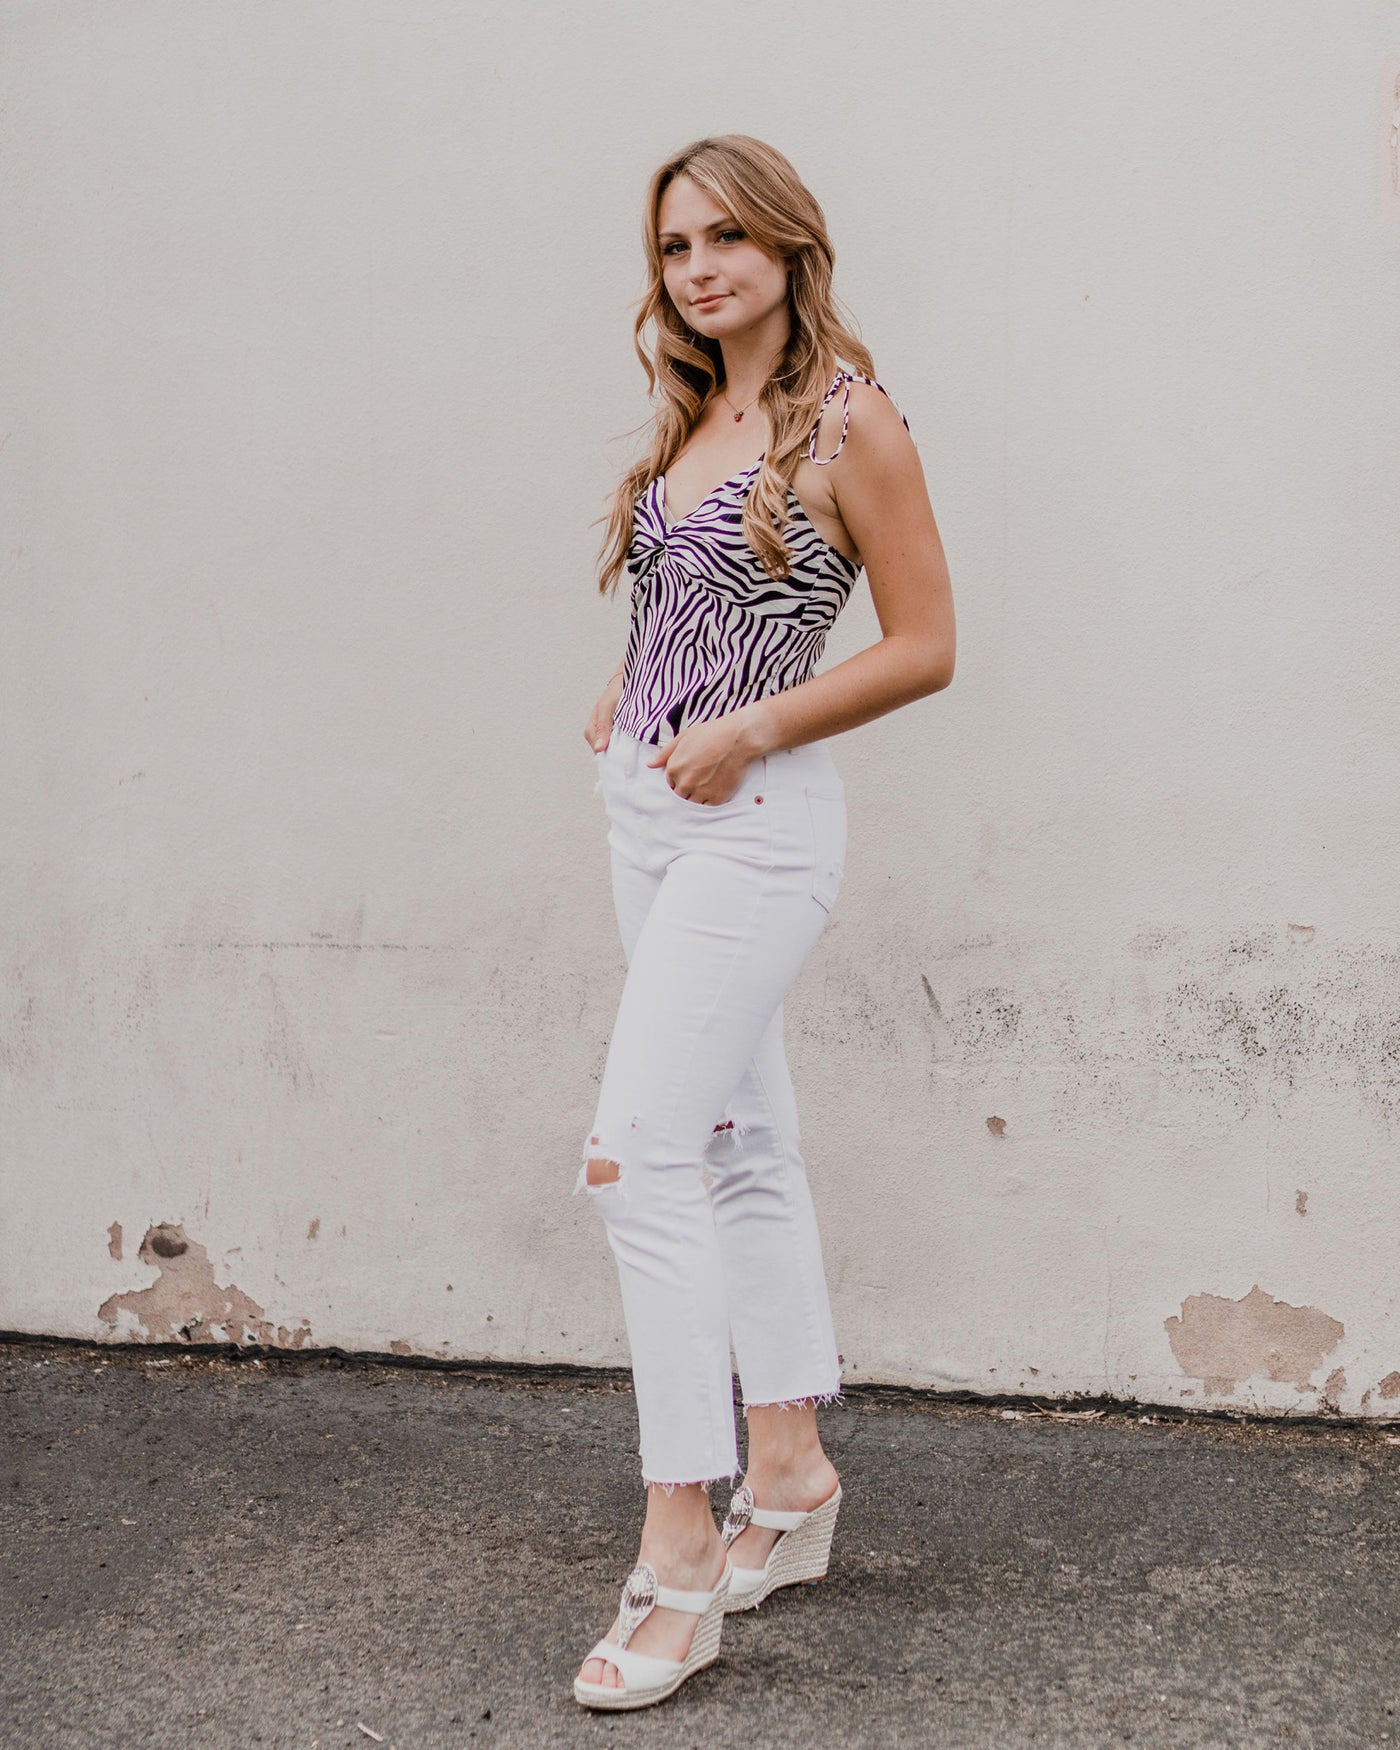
{"x": 646, "y": 1679}
{"x": 801, "y": 1552}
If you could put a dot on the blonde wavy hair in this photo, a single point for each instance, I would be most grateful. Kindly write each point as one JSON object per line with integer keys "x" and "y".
{"x": 760, "y": 189}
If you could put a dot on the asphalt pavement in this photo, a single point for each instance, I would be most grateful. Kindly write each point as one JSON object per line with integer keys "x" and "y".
{"x": 310, "y": 1551}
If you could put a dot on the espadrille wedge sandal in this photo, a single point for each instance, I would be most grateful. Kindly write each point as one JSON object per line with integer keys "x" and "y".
{"x": 646, "y": 1679}
{"x": 801, "y": 1552}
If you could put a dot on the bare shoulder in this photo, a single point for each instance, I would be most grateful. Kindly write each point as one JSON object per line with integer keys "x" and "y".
{"x": 877, "y": 481}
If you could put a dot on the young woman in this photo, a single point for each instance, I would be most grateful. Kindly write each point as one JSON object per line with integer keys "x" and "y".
{"x": 727, "y": 834}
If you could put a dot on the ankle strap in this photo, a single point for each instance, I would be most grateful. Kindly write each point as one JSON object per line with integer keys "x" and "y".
{"x": 772, "y": 1520}
{"x": 643, "y": 1593}
{"x": 743, "y": 1512}
{"x": 669, "y": 1598}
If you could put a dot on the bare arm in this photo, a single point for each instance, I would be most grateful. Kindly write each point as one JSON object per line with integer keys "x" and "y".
{"x": 878, "y": 483}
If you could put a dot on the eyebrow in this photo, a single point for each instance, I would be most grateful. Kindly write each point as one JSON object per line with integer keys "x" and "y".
{"x": 714, "y": 227}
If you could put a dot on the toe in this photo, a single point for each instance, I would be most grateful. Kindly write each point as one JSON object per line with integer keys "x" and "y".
{"x": 601, "y": 1672}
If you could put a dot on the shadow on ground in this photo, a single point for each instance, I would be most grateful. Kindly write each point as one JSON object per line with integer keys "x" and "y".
{"x": 303, "y": 1551}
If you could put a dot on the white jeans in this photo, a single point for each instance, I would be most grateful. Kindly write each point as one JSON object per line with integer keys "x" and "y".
{"x": 718, "y": 906}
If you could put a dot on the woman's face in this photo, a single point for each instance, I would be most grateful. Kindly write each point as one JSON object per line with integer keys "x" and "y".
{"x": 705, "y": 254}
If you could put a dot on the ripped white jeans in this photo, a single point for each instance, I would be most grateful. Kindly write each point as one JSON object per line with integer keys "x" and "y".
{"x": 718, "y": 906}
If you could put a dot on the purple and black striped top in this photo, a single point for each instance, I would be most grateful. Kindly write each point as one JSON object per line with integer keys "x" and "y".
{"x": 711, "y": 630}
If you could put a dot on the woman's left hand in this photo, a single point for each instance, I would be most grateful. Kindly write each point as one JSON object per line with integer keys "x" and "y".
{"x": 706, "y": 762}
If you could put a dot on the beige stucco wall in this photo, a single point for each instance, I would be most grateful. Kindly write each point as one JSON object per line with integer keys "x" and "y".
{"x": 318, "y": 370}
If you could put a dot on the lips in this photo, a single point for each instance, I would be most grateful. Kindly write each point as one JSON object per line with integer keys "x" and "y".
{"x": 705, "y": 303}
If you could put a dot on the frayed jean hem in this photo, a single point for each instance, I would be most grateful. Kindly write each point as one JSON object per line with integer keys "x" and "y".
{"x": 669, "y": 1487}
{"x": 817, "y": 1400}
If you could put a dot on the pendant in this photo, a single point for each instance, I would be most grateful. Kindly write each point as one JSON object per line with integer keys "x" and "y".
{"x": 740, "y": 414}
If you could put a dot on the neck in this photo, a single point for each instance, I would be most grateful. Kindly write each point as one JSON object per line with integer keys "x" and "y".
{"x": 750, "y": 358}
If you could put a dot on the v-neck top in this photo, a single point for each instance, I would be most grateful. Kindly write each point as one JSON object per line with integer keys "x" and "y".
{"x": 710, "y": 629}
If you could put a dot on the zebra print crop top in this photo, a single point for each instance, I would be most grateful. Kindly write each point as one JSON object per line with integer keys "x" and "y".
{"x": 710, "y": 629}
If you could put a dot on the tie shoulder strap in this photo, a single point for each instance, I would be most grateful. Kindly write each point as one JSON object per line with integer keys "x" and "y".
{"x": 845, "y": 378}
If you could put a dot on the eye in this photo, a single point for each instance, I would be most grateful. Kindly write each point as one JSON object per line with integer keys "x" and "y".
{"x": 729, "y": 231}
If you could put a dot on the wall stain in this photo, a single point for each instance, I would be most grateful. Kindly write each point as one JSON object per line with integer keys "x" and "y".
{"x": 114, "y": 1241}
{"x": 22, "y": 1041}
{"x": 1224, "y": 1341}
{"x": 1231, "y": 1021}
{"x": 342, "y": 947}
{"x": 282, "y": 1050}
{"x": 1389, "y": 1387}
{"x": 185, "y": 1303}
{"x": 988, "y": 1019}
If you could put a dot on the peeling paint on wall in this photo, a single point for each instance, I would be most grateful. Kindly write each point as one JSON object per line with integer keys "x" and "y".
{"x": 114, "y": 1241}
{"x": 186, "y": 1304}
{"x": 1395, "y": 142}
{"x": 1389, "y": 1387}
{"x": 1224, "y": 1341}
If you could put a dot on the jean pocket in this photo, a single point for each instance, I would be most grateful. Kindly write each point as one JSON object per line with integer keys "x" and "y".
{"x": 828, "y": 818}
{"x": 698, "y": 807}
{"x": 751, "y": 789}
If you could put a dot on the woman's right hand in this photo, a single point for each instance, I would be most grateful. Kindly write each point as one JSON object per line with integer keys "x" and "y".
{"x": 599, "y": 730}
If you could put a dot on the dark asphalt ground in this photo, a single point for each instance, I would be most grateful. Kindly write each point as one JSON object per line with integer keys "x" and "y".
{"x": 208, "y": 1551}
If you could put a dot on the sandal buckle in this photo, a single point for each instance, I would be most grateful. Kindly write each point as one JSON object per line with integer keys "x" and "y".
{"x": 740, "y": 1512}
{"x": 638, "y": 1601}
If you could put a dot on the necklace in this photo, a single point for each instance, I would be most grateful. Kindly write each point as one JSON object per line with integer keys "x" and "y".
{"x": 743, "y": 410}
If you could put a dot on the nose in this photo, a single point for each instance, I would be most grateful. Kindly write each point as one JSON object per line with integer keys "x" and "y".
{"x": 701, "y": 273}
